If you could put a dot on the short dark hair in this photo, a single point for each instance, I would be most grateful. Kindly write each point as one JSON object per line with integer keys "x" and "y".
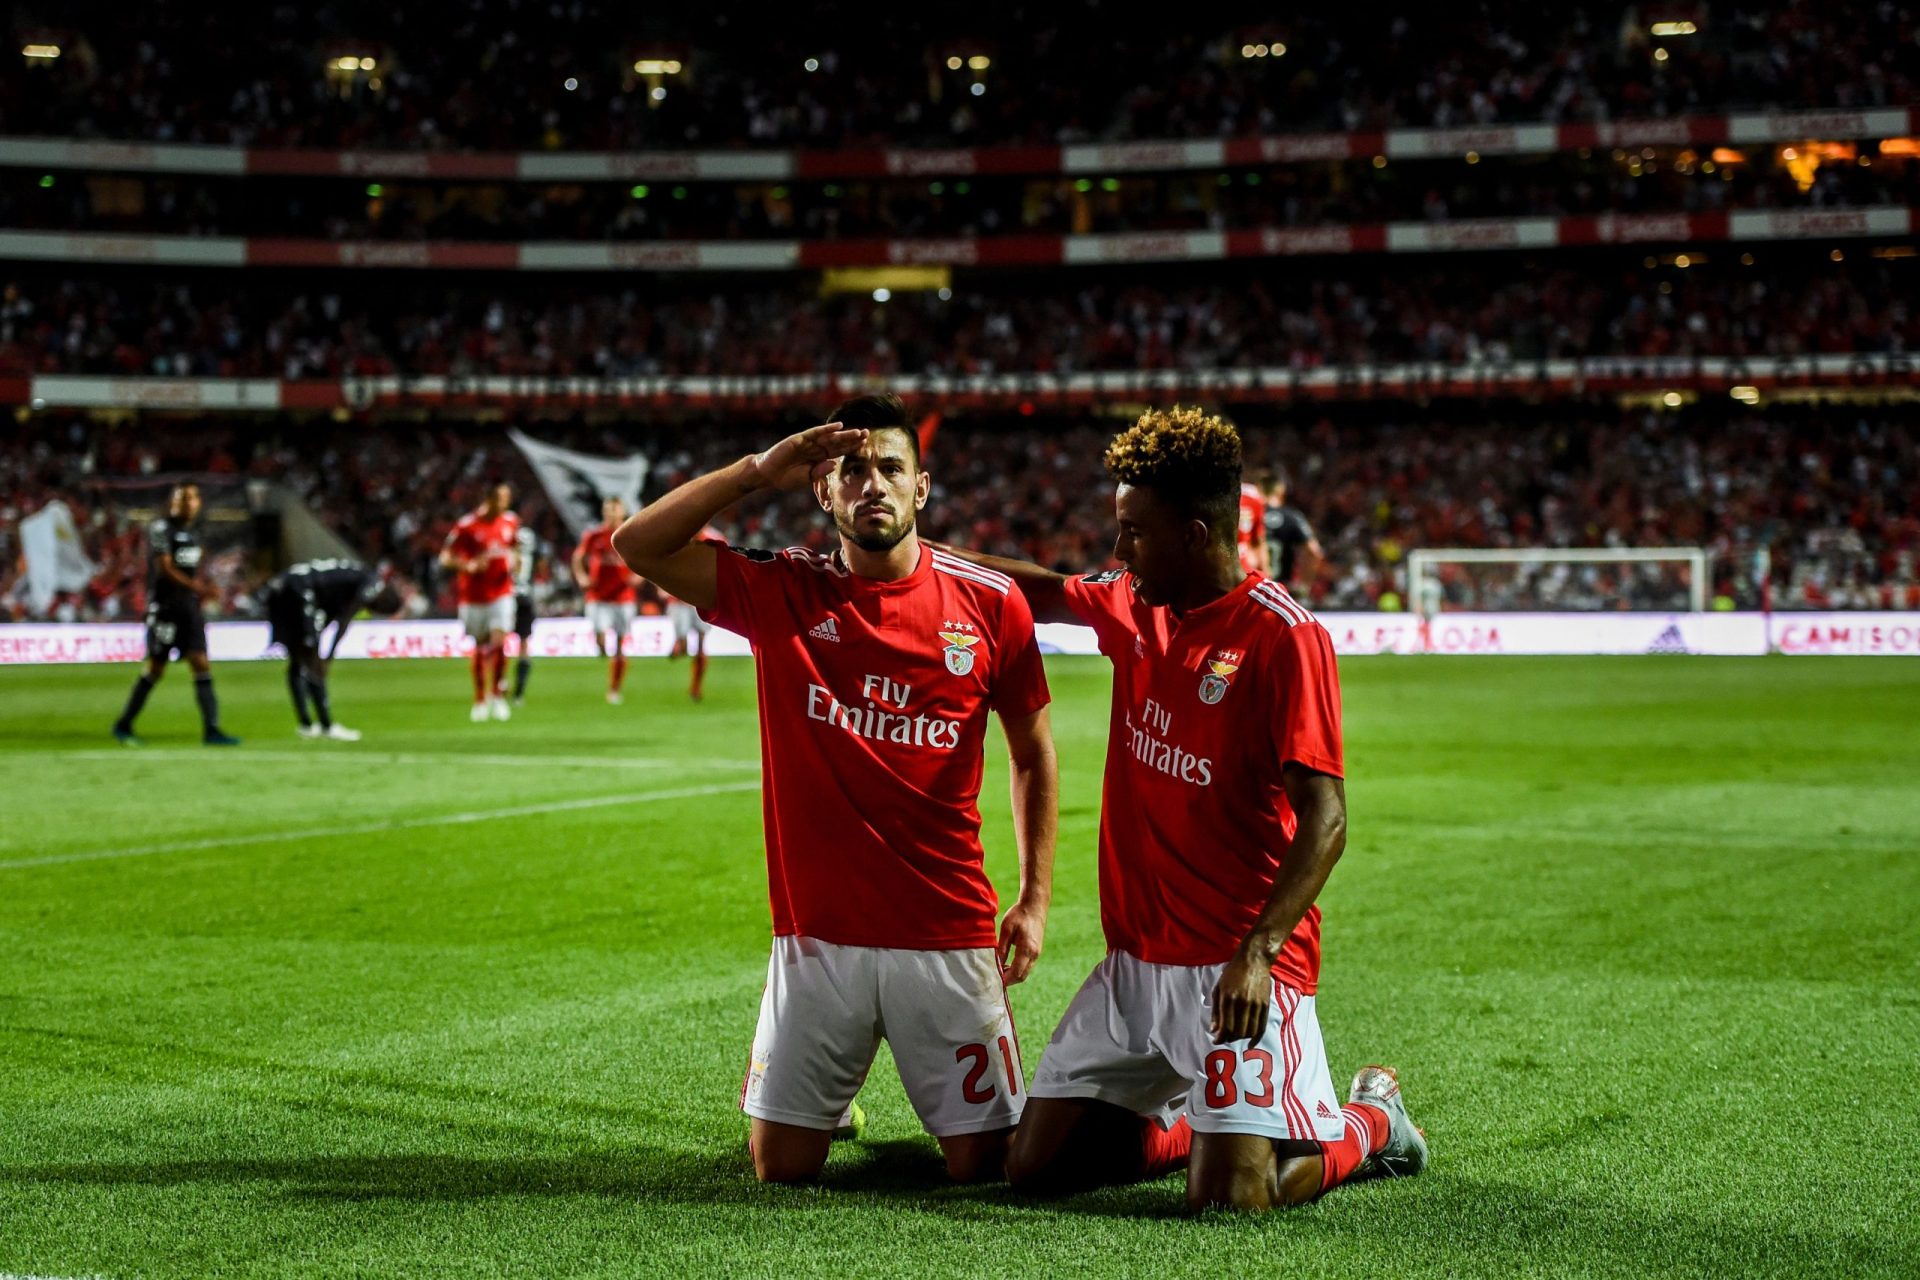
{"x": 880, "y": 411}
{"x": 1190, "y": 459}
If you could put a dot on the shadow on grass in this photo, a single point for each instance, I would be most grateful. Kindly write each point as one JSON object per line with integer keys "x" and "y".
{"x": 1509, "y": 1226}
{"x": 903, "y": 1170}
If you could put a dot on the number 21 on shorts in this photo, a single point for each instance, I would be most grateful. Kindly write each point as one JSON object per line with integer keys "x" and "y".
{"x": 1223, "y": 1085}
{"x": 978, "y": 1062}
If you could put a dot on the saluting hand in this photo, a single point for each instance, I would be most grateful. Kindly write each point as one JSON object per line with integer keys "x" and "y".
{"x": 799, "y": 460}
{"x": 1241, "y": 999}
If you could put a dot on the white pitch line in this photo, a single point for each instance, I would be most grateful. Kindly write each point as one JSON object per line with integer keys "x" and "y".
{"x": 372, "y": 828}
{"x": 349, "y": 755}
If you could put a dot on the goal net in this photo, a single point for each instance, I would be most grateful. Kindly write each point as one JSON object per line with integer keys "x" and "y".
{"x": 1557, "y": 579}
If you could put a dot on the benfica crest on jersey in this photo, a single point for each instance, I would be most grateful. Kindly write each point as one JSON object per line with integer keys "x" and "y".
{"x": 959, "y": 650}
{"x": 1219, "y": 677}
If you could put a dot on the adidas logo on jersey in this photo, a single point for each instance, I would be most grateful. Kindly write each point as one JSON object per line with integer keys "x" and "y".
{"x": 828, "y": 630}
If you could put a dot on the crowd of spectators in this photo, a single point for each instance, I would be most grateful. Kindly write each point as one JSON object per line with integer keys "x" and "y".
{"x": 1301, "y": 195}
{"x": 480, "y": 74}
{"x": 1832, "y": 494}
{"x": 1187, "y": 318}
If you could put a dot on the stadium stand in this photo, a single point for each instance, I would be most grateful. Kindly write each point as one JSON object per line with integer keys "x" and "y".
{"x": 1532, "y": 275}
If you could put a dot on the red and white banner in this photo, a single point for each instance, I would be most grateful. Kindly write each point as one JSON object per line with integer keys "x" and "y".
{"x": 34, "y": 643}
{"x": 1473, "y": 235}
{"x": 1354, "y": 634}
{"x": 1697, "y": 376}
{"x": 1097, "y": 158}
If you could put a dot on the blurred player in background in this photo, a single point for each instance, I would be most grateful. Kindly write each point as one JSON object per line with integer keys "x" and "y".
{"x": 877, "y": 668}
{"x": 481, "y": 550}
{"x": 301, "y": 604}
{"x": 690, "y": 629}
{"x": 1251, "y": 538}
{"x": 175, "y": 621}
{"x": 1224, "y": 811}
{"x": 611, "y": 591}
{"x": 1293, "y": 553}
{"x": 527, "y": 556}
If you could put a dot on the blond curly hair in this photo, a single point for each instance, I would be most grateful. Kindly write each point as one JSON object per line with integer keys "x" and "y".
{"x": 1189, "y": 458}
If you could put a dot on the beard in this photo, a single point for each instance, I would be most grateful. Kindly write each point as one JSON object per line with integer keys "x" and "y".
{"x": 884, "y": 538}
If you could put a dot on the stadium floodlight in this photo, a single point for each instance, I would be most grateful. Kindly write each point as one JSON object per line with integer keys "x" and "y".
{"x": 657, "y": 66}
{"x": 1557, "y": 579}
{"x": 979, "y": 62}
{"x": 47, "y": 52}
{"x": 1682, "y": 28}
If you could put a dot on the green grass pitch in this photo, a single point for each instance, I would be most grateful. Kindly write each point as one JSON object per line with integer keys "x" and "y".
{"x": 1642, "y": 935}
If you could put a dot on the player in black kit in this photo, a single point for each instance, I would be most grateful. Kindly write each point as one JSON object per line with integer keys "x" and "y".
{"x": 175, "y": 623}
{"x": 301, "y": 604}
{"x": 527, "y": 546}
{"x": 1292, "y": 547}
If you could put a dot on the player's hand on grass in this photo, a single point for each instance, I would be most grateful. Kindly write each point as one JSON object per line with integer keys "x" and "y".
{"x": 799, "y": 460}
{"x": 1241, "y": 999}
{"x": 1022, "y": 930}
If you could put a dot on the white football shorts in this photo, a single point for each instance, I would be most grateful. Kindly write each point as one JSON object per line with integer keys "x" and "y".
{"x": 686, "y": 619}
{"x": 481, "y": 620}
{"x": 610, "y": 615}
{"x": 1136, "y": 1036}
{"x": 827, "y": 1007}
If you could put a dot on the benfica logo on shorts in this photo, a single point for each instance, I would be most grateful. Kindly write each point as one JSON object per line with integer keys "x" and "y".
{"x": 1220, "y": 668}
{"x": 959, "y": 650}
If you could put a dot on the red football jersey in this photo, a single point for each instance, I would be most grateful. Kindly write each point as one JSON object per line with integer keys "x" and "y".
{"x": 1207, "y": 708}
{"x": 609, "y": 581}
{"x": 475, "y": 537}
{"x": 873, "y": 710}
{"x": 1253, "y": 526}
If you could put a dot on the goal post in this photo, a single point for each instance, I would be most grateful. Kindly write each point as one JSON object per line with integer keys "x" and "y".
{"x": 1556, "y": 579}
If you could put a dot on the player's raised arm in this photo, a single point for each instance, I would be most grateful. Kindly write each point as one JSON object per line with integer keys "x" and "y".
{"x": 1045, "y": 590}
{"x": 1035, "y": 784}
{"x": 660, "y": 542}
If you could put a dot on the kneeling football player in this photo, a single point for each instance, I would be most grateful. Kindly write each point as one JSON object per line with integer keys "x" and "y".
{"x": 877, "y": 667}
{"x": 1224, "y": 811}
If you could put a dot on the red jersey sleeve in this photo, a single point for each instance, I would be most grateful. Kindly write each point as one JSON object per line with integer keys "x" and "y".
{"x": 748, "y": 591}
{"x": 1306, "y": 701}
{"x": 1104, "y": 601}
{"x": 1020, "y": 684}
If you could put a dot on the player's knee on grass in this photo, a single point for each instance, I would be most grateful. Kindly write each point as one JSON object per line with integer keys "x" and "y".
{"x": 1067, "y": 1145}
{"x": 977, "y": 1157}
{"x": 1249, "y": 1172}
{"x": 787, "y": 1153}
